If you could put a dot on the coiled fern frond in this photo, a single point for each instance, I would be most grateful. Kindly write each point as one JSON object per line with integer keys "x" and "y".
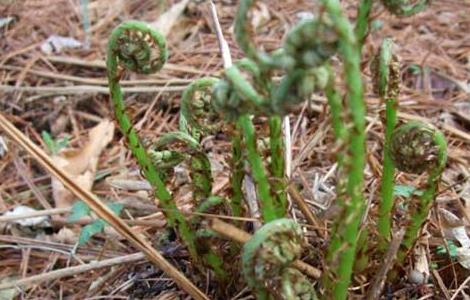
{"x": 197, "y": 115}
{"x": 417, "y": 148}
{"x": 267, "y": 259}
{"x": 311, "y": 42}
{"x": 136, "y": 46}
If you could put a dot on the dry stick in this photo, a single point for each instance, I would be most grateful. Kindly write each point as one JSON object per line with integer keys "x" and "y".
{"x": 101, "y": 210}
{"x": 306, "y": 211}
{"x": 97, "y": 81}
{"x": 58, "y": 211}
{"x": 71, "y": 271}
{"x": 139, "y": 222}
{"x": 379, "y": 280}
{"x": 34, "y": 214}
{"x": 80, "y": 89}
{"x": 236, "y": 234}
{"x": 21, "y": 167}
{"x": 441, "y": 284}
{"x": 102, "y": 65}
{"x": 461, "y": 288}
{"x": 223, "y": 45}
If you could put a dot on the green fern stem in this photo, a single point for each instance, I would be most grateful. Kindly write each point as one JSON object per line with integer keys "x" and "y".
{"x": 243, "y": 34}
{"x": 385, "y": 69}
{"x": 237, "y": 174}
{"x": 199, "y": 164}
{"x": 277, "y": 165}
{"x": 336, "y": 108}
{"x": 270, "y": 209}
{"x": 343, "y": 244}
{"x": 387, "y": 187}
{"x": 362, "y": 22}
{"x": 139, "y": 48}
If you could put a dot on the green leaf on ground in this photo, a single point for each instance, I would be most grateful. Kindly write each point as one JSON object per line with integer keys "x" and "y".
{"x": 406, "y": 191}
{"x": 90, "y": 230}
{"x": 79, "y": 210}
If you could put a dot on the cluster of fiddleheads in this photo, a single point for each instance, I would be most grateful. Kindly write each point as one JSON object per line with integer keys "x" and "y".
{"x": 248, "y": 90}
{"x": 267, "y": 262}
{"x": 304, "y": 60}
{"x": 135, "y": 46}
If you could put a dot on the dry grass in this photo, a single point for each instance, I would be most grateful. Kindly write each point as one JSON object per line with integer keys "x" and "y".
{"x": 434, "y": 47}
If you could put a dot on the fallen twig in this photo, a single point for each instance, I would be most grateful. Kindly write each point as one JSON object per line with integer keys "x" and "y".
{"x": 72, "y": 271}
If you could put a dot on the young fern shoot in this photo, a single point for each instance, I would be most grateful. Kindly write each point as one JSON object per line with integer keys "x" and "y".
{"x": 267, "y": 262}
{"x": 139, "y": 48}
{"x": 386, "y": 73}
{"x": 416, "y": 148}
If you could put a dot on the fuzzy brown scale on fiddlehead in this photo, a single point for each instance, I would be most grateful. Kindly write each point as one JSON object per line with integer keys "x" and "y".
{"x": 385, "y": 69}
{"x": 267, "y": 257}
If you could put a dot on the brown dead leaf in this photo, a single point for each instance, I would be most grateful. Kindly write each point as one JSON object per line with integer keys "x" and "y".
{"x": 81, "y": 164}
{"x": 65, "y": 236}
{"x": 260, "y": 16}
{"x": 166, "y": 21}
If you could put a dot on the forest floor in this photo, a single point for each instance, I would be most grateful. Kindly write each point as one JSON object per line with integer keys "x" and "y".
{"x": 55, "y": 91}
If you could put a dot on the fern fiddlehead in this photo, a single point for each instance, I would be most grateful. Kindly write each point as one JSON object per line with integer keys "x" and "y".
{"x": 199, "y": 164}
{"x": 308, "y": 52}
{"x": 405, "y": 8}
{"x": 416, "y": 148}
{"x": 386, "y": 73}
{"x": 135, "y": 46}
{"x": 267, "y": 259}
{"x": 197, "y": 115}
{"x": 197, "y": 119}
